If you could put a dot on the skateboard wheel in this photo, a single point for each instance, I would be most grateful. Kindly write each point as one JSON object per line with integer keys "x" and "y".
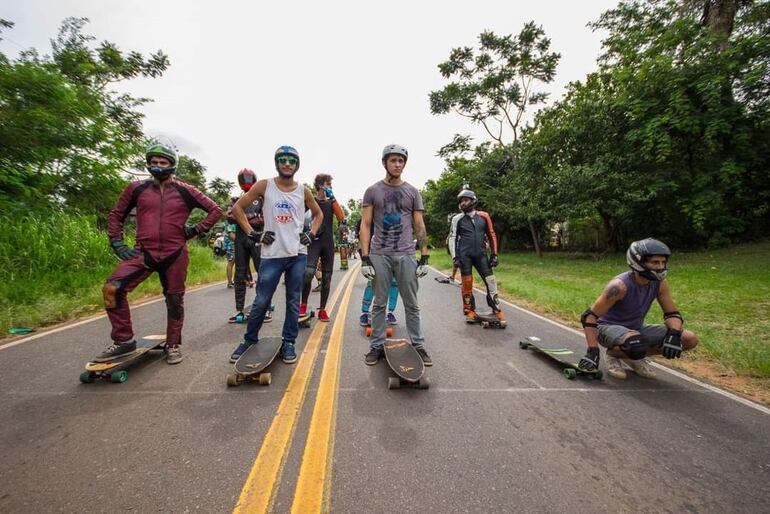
{"x": 87, "y": 377}
{"x": 598, "y": 375}
{"x": 265, "y": 379}
{"x": 389, "y": 332}
{"x": 368, "y": 331}
{"x": 394, "y": 383}
{"x": 484, "y": 324}
{"x": 523, "y": 345}
{"x": 119, "y": 377}
{"x": 424, "y": 383}
{"x": 570, "y": 373}
{"x": 232, "y": 380}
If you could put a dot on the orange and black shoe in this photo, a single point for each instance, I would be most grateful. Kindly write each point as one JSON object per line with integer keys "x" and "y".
{"x": 471, "y": 317}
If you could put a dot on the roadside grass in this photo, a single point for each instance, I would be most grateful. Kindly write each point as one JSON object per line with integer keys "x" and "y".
{"x": 53, "y": 270}
{"x": 724, "y": 296}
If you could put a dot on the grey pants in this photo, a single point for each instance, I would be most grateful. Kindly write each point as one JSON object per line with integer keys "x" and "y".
{"x": 402, "y": 267}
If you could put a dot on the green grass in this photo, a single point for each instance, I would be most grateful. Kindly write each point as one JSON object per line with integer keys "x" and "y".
{"x": 52, "y": 270}
{"x": 724, "y": 295}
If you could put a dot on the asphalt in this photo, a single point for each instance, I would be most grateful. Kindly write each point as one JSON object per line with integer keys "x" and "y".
{"x": 500, "y": 429}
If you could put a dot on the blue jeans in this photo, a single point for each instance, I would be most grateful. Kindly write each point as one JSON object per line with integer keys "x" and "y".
{"x": 270, "y": 271}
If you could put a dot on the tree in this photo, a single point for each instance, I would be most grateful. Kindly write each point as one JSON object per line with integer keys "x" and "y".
{"x": 64, "y": 137}
{"x": 221, "y": 191}
{"x": 494, "y": 87}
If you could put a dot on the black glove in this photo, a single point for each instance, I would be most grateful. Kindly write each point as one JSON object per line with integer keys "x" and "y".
{"x": 306, "y": 238}
{"x": 422, "y": 266}
{"x": 265, "y": 238}
{"x": 591, "y": 360}
{"x": 672, "y": 344}
{"x": 190, "y": 231}
{"x": 122, "y": 250}
{"x": 493, "y": 261}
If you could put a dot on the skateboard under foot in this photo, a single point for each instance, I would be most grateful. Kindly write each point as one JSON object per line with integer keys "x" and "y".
{"x": 406, "y": 363}
{"x": 488, "y": 320}
{"x": 251, "y": 364}
{"x": 306, "y": 320}
{"x": 114, "y": 370}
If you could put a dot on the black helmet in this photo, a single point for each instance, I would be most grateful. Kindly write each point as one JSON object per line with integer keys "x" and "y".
{"x": 640, "y": 251}
{"x": 467, "y": 193}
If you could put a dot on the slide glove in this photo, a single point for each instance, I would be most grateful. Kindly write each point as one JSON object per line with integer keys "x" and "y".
{"x": 367, "y": 269}
{"x": 122, "y": 250}
{"x": 329, "y": 193}
{"x": 672, "y": 344}
{"x": 493, "y": 261}
{"x": 265, "y": 238}
{"x": 306, "y": 238}
{"x": 422, "y": 266}
{"x": 190, "y": 231}
{"x": 591, "y": 360}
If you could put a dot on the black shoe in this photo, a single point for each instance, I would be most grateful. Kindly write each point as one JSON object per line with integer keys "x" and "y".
{"x": 116, "y": 350}
{"x": 425, "y": 357}
{"x": 373, "y": 357}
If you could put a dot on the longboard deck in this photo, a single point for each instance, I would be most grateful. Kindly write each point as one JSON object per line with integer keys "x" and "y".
{"x": 114, "y": 369}
{"x": 563, "y": 356}
{"x": 405, "y": 362}
{"x": 254, "y": 360}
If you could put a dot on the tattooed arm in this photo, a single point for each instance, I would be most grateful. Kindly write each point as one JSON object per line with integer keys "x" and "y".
{"x": 420, "y": 232}
{"x": 613, "y": 292}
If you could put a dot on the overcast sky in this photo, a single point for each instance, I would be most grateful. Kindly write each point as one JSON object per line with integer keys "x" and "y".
{"x": 337, "y": 80}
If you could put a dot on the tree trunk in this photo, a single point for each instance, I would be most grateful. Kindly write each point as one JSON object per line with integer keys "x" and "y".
{"x": 534, "y": 237}
{"x": 609, "y": 228}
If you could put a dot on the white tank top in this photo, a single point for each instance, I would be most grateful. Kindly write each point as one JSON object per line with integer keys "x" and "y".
{"x": 284, "y": 215}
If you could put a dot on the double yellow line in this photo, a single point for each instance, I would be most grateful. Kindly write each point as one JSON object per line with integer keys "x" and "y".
{"x": 259, "y": 490}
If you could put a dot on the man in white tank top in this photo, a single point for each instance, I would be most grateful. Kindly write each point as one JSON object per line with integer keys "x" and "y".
{"x": 284, "y": 246}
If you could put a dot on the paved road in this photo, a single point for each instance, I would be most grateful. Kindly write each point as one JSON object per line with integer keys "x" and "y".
{"x": 500, "y": 429}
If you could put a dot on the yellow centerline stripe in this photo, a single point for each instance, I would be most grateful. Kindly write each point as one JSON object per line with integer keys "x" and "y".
{"x": 259, "y": 490}
{"x": 314, "y": 481}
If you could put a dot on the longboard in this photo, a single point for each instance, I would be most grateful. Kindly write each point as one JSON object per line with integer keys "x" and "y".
{"x": 254, "y": 360}
{"x": 488, "y": 320}
{"x": 406, "y": 363}
{"x": 114, "y": 370}
{"x": 563, "y": 356}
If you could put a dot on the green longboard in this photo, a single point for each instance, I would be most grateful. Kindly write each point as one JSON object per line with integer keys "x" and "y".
{"x": 563, "y": 356}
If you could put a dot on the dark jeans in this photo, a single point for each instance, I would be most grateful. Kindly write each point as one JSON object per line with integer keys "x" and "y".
{"x": 270, "y": 271}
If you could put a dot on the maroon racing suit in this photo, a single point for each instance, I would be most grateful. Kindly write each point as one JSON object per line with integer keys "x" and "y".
{"x": 160, "y": 238}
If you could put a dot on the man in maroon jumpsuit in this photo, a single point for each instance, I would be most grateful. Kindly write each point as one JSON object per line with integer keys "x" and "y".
{"x": 163, "y": 205}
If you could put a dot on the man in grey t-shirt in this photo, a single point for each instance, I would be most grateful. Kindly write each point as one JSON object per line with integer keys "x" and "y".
{"x": 391, "y": 207}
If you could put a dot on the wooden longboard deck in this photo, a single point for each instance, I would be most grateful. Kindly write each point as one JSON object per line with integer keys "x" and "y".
{"x": 143, "y": 346}
{"x": 403, "y": 359}
{"x": 258, "y": 356}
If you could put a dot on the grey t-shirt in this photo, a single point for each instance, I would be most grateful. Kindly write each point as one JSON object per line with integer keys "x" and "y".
{"x": 393, "y": 208}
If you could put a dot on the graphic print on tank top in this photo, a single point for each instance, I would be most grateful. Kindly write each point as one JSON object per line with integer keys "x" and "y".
{"x": 391, "y": 219}
{"x": 284, "y": 212}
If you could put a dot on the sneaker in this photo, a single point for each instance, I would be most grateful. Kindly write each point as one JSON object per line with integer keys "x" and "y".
{"x": 425, "y": 357}
{"x": 230, "y": 285}
{"x": 239, "y": 317}
{"x": 174, "y": 354}
{"x": 641, "y": 367}
{"x": 471, "y": 317}
{"x": 239, "y": 351}
{"x": 373, "y": 357}
{"x": 288, "y": 354}
{"x": 116, "y": 350}
{"x": 615, "y": 368}
{"x": 302, "y": 310}
{"x": 268, "y": 316}
{"x": 391, "y": 318}
{"x": 323, "y": 316}
{"x": 364, "y": 320}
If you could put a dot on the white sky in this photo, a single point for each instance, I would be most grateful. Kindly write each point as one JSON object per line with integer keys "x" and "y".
{"x": 337, "y": 80}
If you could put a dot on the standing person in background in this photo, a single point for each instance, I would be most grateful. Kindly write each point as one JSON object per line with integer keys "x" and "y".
{"x": 392, "y": 206}
{"x": 163, "y": 205}
{"x": 228, "y": 245}
{"x": 322, "y": 248}
{"x": 245, "y": 249}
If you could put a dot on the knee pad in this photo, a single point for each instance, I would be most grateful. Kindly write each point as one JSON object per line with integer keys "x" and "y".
{"x": 110, "y": 294}
{"x": 175, "y": 305}
{"x": 635, "y": 347}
